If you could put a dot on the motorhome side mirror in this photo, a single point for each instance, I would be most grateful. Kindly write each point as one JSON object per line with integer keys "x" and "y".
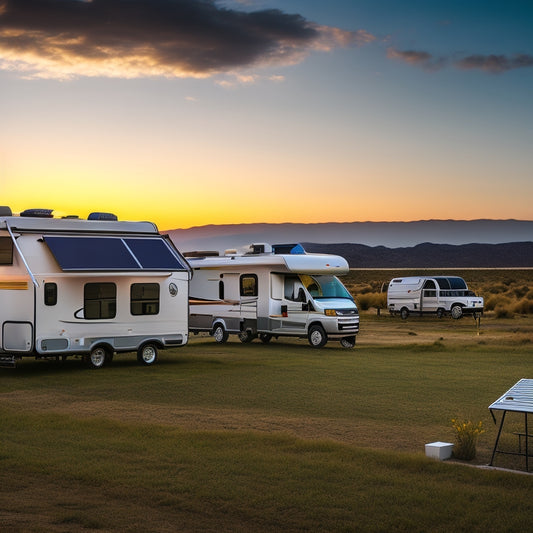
{"x": 284, "y": 311}
{"x": 305, "y": 307}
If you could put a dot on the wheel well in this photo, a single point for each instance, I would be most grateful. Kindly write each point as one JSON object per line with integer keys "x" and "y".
{"x": 457, "y": 303}
{"x": 316, "y": 323}
{"x": 106, "y": 346}
{"x": 156, "y": 342}
{"x": 218, "y": 321}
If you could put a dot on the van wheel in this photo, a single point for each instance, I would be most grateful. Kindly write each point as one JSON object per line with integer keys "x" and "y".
{"x": 404, "y": 313}
{"x": 317, "y": 336}
{"x": 98, "y": 357}
{"x": 265, "y": 338}
{"x": 246, "y": 336}
{"x": 220, "y": 334}
{"x": 456, "y": 311}
{"x": 348, "y": 342}
{"x": 147, "y": 354}
{"x": 440, "y": 312}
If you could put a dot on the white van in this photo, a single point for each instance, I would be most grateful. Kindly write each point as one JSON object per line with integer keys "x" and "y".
{"x": 271, "y": 291}
{"x": 432, "y": 294}
{"x": 93, "y": 288}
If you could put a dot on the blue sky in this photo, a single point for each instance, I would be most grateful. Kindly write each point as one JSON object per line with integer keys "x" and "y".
{"x": 301, "y": 111}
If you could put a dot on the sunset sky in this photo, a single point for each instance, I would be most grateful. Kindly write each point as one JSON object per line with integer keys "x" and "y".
{"x": 216, "y": 112}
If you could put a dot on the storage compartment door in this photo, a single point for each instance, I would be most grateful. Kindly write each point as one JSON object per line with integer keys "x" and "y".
{"x": 17, "y": 336}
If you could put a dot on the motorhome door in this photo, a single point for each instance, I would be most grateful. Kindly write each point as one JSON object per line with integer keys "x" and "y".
{"x": 295, "y": 308}
{"x": 429, "y": 300}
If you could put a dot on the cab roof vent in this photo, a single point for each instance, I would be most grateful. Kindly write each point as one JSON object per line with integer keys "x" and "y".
{"x": 102, "y": 216}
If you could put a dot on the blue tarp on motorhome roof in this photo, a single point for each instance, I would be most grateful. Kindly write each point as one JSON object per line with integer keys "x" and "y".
{"x": 113, "y": 253}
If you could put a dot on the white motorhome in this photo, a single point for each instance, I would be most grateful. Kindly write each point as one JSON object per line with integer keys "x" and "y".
{"x": 92, "y": 287}
{"x": 432, "y": 294}
{"x": 272, "y": 291}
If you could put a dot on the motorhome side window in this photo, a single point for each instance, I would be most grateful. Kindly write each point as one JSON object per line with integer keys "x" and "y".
{"x": 6, "y": 251}
{"x": 50, "y": 293}
{"x": 99, "y": 300}
{"x": 144, "y": 299}
{"x": 248, "y": 284}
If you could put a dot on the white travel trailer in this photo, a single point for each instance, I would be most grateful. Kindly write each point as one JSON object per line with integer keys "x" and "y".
{"x": 91, "y": 287}
{"x": 271, "y": 291}
{"x": 432, "y": 294}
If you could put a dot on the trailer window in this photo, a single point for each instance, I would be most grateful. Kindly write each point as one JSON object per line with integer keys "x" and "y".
{"x": 144, "y": 299}
{"x": 99, "y": 300}
{"x": 248, "y": 284}
{"x": 50, "y": 293}
{"x": 6, "y": 251}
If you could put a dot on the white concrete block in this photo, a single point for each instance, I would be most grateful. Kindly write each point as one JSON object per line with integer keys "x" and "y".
{"x": 439, "y": 450}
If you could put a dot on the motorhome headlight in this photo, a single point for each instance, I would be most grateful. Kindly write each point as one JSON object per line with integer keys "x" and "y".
{"x": 330, "y": 312}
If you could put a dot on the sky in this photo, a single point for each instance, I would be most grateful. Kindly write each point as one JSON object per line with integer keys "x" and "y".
{"x": 196, "y": 112}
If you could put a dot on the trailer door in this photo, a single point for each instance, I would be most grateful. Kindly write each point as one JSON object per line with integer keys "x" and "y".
{"x": 294, "y": 306}
{"x": 429, "y": 301}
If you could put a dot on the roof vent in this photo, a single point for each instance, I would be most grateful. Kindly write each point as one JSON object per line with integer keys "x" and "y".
{"x": 102, "y": 216}
{"x": 38, "y": 213}
{"x": 5, "y": 211}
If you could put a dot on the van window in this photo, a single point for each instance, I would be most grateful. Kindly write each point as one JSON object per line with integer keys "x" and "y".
{"x": 248, "y": 285}
{"x": 50, "y": 293}
{"x": 144, "y": 299}
{"x": 99, "y": 300}
{"x": 6, "y": 251}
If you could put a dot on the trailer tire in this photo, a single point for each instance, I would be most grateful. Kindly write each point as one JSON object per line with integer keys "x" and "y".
{"x": 456, "y": 311}
{"x": 404, "y": 313}
{"x": 220, "y": 334}
{"x": 147, "y": 354}
{"x": 98, "y": 357}
{"x": 246, "y": 336}
{"x": 317, "y": 336}
{"x": 348, "y": 342}
{"x": 265, "y": 338}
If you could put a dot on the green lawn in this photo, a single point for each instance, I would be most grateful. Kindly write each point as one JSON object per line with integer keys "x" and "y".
{"x": 279, "y": 437}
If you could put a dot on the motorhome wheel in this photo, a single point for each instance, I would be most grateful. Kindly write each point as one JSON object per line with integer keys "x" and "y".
{"x": 265, "y": 338}
{"x": 98, "y": 357}
{"x": 246, "y": 336}
{"x": 348, "y": 342}
{"x": 317, "y": 336}
{"x": 404, "y": 313}
{"x": 456, "y": 311}
{"x": 440, "y": 312}
{"x": 147, "y": 354}
{"x": 220, "y": 334}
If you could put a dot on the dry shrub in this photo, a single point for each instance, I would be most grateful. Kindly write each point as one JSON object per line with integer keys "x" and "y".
{"x": 501, "y": 311}
{"x": 371, "y": 299}
{"x": 524, "y": 306}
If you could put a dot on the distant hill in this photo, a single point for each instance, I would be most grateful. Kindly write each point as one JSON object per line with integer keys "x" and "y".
{"x": 373, "y": 234}
{"x": 428, "y": 255}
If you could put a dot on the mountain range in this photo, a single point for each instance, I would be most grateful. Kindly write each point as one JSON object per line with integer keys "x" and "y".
{"x": 418, "y": 244}
{"x": 389, "y": 234}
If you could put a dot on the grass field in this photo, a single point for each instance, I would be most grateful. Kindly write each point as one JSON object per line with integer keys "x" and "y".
{"x": 278, "y": 437}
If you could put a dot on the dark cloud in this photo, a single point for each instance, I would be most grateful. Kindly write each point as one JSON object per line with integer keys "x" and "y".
{"x": 490, "y": 63}
{"x": 417, "y": 58}
{"x": 175, "y": 38}
{"x": 495, "y": 63}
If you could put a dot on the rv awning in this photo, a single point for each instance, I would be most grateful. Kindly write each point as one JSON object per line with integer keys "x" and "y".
{"x": 113, "y": 253}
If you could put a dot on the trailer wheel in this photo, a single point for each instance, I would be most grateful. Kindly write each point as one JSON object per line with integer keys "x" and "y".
{"x": 317, "y": 336}
{"x": 440, "y": 312}
{"x": 404, "y": 313}
{"x": 147, "y": 354}
{"x": 265, "y": 338}
{"x": 246, "y": 336}
{"x": 348, "y": 342}
{"x": 98, "y": 357}
{"x": 220, "y": 334}
{"x": 456, "y": 311}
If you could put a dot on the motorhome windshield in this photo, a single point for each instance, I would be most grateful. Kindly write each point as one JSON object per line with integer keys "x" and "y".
{"x": 451, "y": 283}
{"x": 325, "y": 287}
